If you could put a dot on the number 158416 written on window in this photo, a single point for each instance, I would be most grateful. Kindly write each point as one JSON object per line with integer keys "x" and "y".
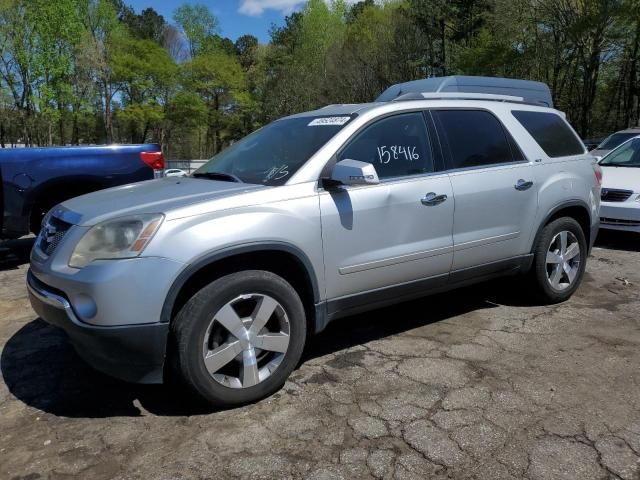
{"x": 386, "y": 153}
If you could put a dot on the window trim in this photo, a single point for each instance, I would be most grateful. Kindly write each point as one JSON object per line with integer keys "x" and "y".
{"x": 326, "y": 171}
{"x": 447, "y": 155}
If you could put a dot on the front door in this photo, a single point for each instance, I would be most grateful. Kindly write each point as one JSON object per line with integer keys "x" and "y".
{"x": 397, "y": 233}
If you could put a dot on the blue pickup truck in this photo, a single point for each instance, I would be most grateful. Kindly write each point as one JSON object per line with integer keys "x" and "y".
{"x": 32, "y": 180}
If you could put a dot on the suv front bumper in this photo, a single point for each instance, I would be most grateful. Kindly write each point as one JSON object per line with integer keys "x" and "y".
{"x": 133, "y": 353}
{"x": 620, "y": 215}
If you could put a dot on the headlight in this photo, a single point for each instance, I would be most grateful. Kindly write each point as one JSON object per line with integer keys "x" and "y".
{"x": 123, "y": 237}
{"x": 638, "y": 198}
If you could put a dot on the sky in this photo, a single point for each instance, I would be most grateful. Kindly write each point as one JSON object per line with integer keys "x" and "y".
{"x": 236, "y": 17}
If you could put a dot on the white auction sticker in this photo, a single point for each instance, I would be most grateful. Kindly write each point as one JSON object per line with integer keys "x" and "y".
{"x": 329, "y": 121}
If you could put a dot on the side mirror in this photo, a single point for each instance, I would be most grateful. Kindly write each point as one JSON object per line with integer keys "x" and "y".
{"x": 354, "y": 172}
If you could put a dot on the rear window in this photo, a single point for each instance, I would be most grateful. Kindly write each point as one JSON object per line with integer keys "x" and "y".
{"x": 551, "y": 132}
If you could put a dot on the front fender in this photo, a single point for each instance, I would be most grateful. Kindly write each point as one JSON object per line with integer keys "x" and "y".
{"x": 291, "y": 225}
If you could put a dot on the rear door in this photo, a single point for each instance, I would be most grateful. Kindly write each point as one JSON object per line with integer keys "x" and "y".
{"x": 396, "y": 233}
{"x": 493, "y": 184}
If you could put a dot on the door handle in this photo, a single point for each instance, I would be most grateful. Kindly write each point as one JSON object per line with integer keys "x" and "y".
{"x": 523, "y": 184}
{"x": 431, "y": 199}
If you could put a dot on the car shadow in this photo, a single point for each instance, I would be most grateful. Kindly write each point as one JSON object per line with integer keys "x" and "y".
{"x": 384, "y": 322}
{"x": 40, "y": 367}
{"x": 618, "y": 240}
{"x": 14, "y": 253}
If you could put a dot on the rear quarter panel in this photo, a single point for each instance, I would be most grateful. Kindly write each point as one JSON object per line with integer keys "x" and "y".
{"x": 560, "y": 181}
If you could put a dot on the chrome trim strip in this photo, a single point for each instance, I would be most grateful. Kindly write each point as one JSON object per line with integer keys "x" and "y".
{"x": 486, "y": 241}
{"x": 619, "y": 221}
{"x": 63, "y": 213}
{"x": 393, "y": 260}
{"x": 52, "y": 299}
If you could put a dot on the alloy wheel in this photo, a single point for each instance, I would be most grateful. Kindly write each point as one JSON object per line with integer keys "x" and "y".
{"x": 246, "y": 340}
{"x": 563, "y": 260}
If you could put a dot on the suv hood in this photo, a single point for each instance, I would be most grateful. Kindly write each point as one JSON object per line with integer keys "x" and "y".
{"x": 623, "y": 178}
{"x": 151, "y": 196}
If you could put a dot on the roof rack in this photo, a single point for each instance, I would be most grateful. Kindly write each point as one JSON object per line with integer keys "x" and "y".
{"x": 468, "y": 87}
{"x": 459, "y": 96}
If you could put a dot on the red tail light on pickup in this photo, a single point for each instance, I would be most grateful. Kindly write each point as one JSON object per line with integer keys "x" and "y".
{"x": 154, "y": 159}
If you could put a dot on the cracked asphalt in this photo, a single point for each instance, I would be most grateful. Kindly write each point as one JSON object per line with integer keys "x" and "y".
{"x": 478, "y": 383}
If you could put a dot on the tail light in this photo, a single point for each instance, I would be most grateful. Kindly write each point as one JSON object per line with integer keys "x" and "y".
{"x": 598, "y": 173}
{"x": 154, "y": 159}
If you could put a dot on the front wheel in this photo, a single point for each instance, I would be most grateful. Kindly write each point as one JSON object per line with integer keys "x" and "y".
{"x": 238, "y": 339}
{"x": 559, "y": 260}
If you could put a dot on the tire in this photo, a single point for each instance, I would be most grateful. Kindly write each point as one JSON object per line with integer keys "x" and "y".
{"x": 556, "y": 282}
{"x": 236, "y": 370}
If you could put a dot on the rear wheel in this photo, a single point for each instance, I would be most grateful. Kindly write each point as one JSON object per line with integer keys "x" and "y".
{"x": 238, "y": 339}
{"x": 560, "y": 260}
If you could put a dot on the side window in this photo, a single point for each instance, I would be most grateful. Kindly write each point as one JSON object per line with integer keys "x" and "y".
{"x": 397, "y": 146}
{"x": 475, "y": 138}
{"x": 551, "y": 132}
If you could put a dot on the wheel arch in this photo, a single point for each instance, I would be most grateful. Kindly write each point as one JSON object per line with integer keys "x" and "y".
{"x": 576, "y": 209}
{"x": 280, "y": 258}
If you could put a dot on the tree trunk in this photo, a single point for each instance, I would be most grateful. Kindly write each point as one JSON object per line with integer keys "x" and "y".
{"x": 631, "y": 113}
{"x": 61, "y": 126}
{"x": 443, "y": 50}
{"x": 144, "y": 133}
{"x": 108, "y": 121}
{"x": 216, "y": 107}
{"x": 74, "y": 129}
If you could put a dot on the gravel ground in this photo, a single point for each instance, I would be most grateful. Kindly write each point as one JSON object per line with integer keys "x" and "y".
{"x": 478, "y": 383}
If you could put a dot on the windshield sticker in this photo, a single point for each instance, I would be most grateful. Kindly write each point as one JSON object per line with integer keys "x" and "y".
{"x": 276, "y": 173}
{"x": 328, "y": 121}
{"x": 386, "y": 153}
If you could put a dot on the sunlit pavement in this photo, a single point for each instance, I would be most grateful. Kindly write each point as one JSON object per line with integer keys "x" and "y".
{"x": 478, "y": 383}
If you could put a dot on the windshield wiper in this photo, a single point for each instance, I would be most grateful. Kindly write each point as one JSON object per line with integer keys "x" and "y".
{"x": 225, "y": 177}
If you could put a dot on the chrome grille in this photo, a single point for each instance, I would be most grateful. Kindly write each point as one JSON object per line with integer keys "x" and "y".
{"x": 52, "y": 233}
{"x": 614, "y": 195}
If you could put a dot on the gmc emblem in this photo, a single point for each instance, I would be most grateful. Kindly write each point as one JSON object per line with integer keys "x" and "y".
{"x": 49, "y": 232}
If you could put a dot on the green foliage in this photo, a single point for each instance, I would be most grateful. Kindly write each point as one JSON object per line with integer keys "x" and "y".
{"x": 187, "y": 109}
{"x": 143, "y": 69}
{"x": 245, "y": 48}
{"x": 197, "y": 23}
{"x": 94, "y": 71}
{"x": 148, "y": 25}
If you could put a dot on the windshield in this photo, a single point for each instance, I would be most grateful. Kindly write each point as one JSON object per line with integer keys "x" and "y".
{"x": 615, "y": 140}
{"x": 628, "y": 155}
{"x": 272, "y": 154}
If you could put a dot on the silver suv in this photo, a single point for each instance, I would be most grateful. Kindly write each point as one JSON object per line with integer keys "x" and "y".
{"x": 218, "y": 278}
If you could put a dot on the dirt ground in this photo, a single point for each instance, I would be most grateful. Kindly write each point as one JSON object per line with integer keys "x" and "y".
{"x": 477, "y": 383}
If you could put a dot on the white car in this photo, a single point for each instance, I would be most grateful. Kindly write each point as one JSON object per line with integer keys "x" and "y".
{"x": 620, "y": 207}
{"x": 175, "y": 172}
